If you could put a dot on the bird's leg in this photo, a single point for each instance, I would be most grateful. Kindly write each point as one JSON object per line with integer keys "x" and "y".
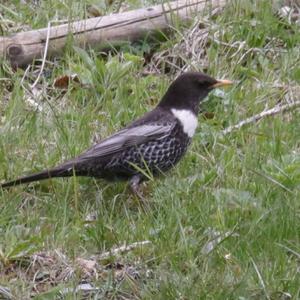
{"x": 136, "y": 187}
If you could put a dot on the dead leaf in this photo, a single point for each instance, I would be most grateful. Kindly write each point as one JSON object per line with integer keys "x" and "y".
{"x": 63, "y": 82}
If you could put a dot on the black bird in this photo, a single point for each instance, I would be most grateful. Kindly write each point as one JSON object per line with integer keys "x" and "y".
{"x": 152, "y": 144}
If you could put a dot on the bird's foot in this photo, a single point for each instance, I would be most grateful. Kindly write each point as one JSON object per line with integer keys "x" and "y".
{"x": 135, "y": 187}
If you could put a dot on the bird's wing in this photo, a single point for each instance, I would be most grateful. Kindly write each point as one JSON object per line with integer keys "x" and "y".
{"x": 128, "y": 137}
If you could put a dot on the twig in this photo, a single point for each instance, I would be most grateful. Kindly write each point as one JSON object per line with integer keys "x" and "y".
{"x": 270, "y": 112}
{"x": 124, "y": 248}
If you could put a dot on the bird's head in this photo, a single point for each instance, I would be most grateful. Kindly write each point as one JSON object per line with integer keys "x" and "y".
{"x": 189, "y": 89}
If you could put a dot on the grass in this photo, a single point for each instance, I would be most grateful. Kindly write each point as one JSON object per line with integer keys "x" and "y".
{"x": 224, "y": 224}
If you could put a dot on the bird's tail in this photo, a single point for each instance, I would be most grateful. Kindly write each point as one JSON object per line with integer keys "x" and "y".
{"x": 64, "y": 170}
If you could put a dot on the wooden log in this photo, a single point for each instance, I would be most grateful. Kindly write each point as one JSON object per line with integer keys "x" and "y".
{"x": 24, "y": 47}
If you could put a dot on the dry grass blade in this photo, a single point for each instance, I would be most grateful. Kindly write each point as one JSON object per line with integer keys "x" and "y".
{"x": 260, "y": 278}
{"x": 288, "y": 249}
{"x": 5, "y": 293}
{"x": 44, "y": 56}
{"x": 189, "y": 53}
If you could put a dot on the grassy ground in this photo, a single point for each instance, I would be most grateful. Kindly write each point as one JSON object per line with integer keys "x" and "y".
{"x": 224, "y": 224}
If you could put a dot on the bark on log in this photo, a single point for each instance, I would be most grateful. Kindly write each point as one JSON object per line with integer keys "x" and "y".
{"x": 24, "y": 47}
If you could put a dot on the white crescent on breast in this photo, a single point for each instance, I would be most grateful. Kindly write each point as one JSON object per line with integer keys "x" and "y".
{"x": 188, "y": 120}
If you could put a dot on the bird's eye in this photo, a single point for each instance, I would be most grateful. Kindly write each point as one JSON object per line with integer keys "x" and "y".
{"x": 203, "y": 82}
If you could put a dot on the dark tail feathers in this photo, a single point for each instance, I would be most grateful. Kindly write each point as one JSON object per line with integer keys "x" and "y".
{"x": 65, "y": 170}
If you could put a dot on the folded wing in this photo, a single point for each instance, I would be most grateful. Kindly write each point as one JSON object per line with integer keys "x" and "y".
{"x": 127, "y": 138}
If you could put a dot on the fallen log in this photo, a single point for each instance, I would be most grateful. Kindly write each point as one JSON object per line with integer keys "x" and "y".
{"x": 24, "y": 47}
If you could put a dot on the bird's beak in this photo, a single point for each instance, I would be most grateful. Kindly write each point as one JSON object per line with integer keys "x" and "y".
{"x": 223, "y": 82}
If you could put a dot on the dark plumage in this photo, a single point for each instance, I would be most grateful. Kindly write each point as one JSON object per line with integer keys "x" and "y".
{"x": 154, "y": 143}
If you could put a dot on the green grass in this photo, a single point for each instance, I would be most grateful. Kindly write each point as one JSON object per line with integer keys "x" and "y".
{"x": 224, "y": 224}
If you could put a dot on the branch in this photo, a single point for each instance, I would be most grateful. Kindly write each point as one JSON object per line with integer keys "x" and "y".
{"x": 270, "y": 112}
{"x": 101, "y": 32}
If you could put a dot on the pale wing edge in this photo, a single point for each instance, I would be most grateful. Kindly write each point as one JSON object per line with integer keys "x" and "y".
{"x": 127, "y": 138}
